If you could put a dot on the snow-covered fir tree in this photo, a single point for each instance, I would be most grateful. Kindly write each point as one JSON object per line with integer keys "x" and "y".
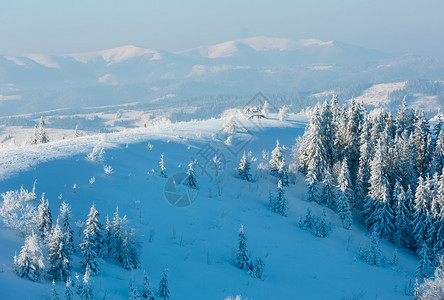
{"x": 163, "y": 172}
{"x": 64, "y": 220}
{"x": 258, "y": 268}
{"x": 77, "y": 132}
{"x": 242, "y": 260}
{"x": 69, "y": 295}
{"x": 432, "y": 288}
{"x": 92, "y": 242}
{"x": 283, "y": 113}
{"x": 163, "y": 290}
{"x": 191, "y": 180}
{"x": 372, "y": 254}
{"x": 425, "y": 262}
{"x": 40, "y": 136}
{"x": 275, "y": 159}
{"x": 30, "y": 261}
{"x": 279, "y": 203}
{"x": 244, "y": 168}
{"x": 54, "y": 294}
{"x": 329, "y": 189}
{"x": 44, "y": 219}
{"x": 421, "y": 213}
{"x": 265, "y": 109}
{"x": 366, "y": 155}
{"x": 87, "y": 291}
{"x": 343, "y": 204}
{"x": 402, "y": 217}
{"x": 282, "y": 173}
{"x": 321, "y": 227}
{"x": 147, "y": 291}
{"x": 133, "y": 293}
{"x": 58, "y": 256}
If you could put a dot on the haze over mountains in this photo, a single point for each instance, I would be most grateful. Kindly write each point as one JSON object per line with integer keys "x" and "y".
{"x": 35, "y": 82}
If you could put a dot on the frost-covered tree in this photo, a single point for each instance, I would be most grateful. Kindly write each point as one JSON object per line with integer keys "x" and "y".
{"x": 402, "y": 217}
{"x": 378, "y": 214}
{"x": 18, "y": 212}
{"x": 283, "y": 113}
{"x": 372, "y": 254}
{"x": 29, "y": 263}
{"x": 279, "y": 203}
{"x": 77, "y": 132}
{"x": 313, "y": 187}
{"x": 425, "y": 262}
{"x": 242, "y": 260}
{"x": 92, "y": 242}
{"x": 163, "y": 290}
{"x": 265, "y": 109}
{"x": 69, "y": 295}
{"x": 44, "y": 218}
{"x": 244, "y": 168}
{"x": 309, "y": 222}
{"x": 403, "y": 119}
{"x": 282, "y": 173}
{"x": 433, "y": 288}
{"x": 343, "y": 205}
{"x": 420, "y": 214}
{"x": 329, "y": 189}
{"x": 40, "y": 136}
{"x": 275, "y": 159}
{"x": 54, "y": 294}
{"x": 258, "y": 268}
{"x": 321, "y": 228}
{"x": 64, "y": 220}
{"x": 163, "y": 172}
{"x": 191, "y": 180}
{"x": 147, "y": 291}
{"x": 133, "y": 293}
{"x": 87, "y": 293}
{"x": 230, "y": 126}
{"x": 437, "y": 163}
{"x": 58, "y": 255}
{"x": 420, "y": 135}
{"x": 365, "y": 157}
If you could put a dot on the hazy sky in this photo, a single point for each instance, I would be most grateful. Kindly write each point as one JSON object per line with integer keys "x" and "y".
{"x": 57, "y": 27}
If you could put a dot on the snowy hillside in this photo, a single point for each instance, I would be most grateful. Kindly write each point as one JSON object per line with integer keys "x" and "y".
{"x": 198, "y": 243}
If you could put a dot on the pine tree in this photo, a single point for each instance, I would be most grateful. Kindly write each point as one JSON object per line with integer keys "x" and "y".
{"x": 343, "y": 206}
{"x": 242, "y": 260}
{"x": 133, "y": 293}
{"x": 402, "y": 217}
{"x": 125, "y": 256}
{"x": 265, "y": 110}
{"x": 58, "y": 256}
{"x": 191, "y": 180}
{"x": 312, "y": 192}
{"x": 92, "y": 242}
{"x": 147, "y": 292}
{"x": 54, "y": 294}
{"x": 44, "y": 219}
{"x": 372, "y": 255}
{"x": 309, "y": 222}
{"x": 40, "y": 136}
{"x": 403, "y": 119}
{"x": 420, "y": 214}
{"x": 321, "y": 228}
{"x": 29, "y": 263}
{"x": 108, "y": 237}
{"x": 420, "y": 136}
{"x": 163, "y": 290}
{"x": 283, "y": 172}
{"x": 275, "y": 160}
{"x": 258, "y": 269}
{"x": 77, "y": 132}
{"x": 279, "y": 203}
{"x": 116, "y": 239}
{"x": 244, "y": 169}
{"x": 317, "y": 154}
{"x": 64, "y": 219}
{"x": 352, "y": 139}
{"x": 163, "y": 172}
{"x": 366, "y": 154}
{"x": 86, "y": 292}
{"x": 437, "y": 163}
{"x": 69, "y": 295}
{"x": 425, "y": 264}
{"x": 327, "y": 132}
{"x": 378, "y": 214}
{"x": 329, "y": 189}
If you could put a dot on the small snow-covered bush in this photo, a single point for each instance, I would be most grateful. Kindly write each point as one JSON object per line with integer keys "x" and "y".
{"x": 18, "y": 211}
{"x": 98, "y": 152}
{"x": 108, "y": 170}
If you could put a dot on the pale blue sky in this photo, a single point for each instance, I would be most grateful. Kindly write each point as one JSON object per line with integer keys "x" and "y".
{"x": 58, "y": 26}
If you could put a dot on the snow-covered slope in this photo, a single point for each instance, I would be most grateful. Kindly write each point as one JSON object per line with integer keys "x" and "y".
{"x": 197, "y": 243}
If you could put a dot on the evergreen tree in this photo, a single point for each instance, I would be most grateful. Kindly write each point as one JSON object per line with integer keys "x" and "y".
{"x": 69, "y": 295}
{"x": 366, "y": 154}
{"x": 163, "y": 290}
{"x": 378, "y": 214}
{"x": 64, "y": 219}
{"x": 312, "y": 192}
{"x": 133, "y": 293}
{"x": 86, "y": 292}
{"x": 58, "y": 256}
{"x": 244, "y": 169}
{"x": 425, "y": 264}
{"x": 437, "y": 163}
{"x": 372, "y": 255}
{"x": 321, "y": 228}
{"x": 116, "y": 239}
{"x": 29, "y": 263}
{"x": 352, "y": 139}
{"x": 420, "y": 136}
{"x": 403, "y": 119}
{"x": 77, "y": 132}
{"x": 343, "y": 206}
{"x": 420, "y": 213}
{"x": 191, "y": 180}
{"x": 54, "y": 294}
{"x": 242, "y": 260}
{"x": 40, "y": 136}
{"x": 327, "y": 132}
{"x": 147, "y": 292}
{"x": 279, "y": 204}
{"x": 309, "y": 222}
{"x": 275, "y": 160}
{"x": 329, "y": 190}
{"x": 283, "y": 172}
{"x": 44, "y": 219}
{"x": 258, "y": 269}
{"x": 265, "y": 110}
{"x": 163, "y": 172}
{"x": 92, "y": 242}
{"x": 317, "y": 156}
{"x": 125, "y": 256}
{"x": 108, "y": 237}
{"x": 402, "y": 218}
